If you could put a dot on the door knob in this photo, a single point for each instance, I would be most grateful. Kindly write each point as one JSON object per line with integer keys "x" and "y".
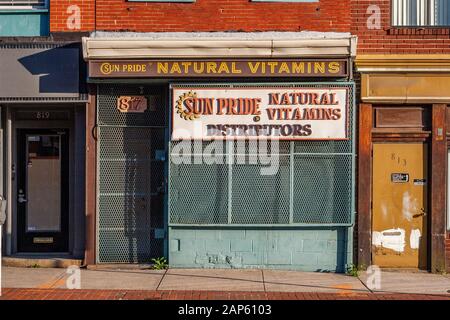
{"x": 21, "y": 198}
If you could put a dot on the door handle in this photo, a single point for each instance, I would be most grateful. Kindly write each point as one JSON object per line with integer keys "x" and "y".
{"x": 21, "y": 199}
{"x": 162, "y": 188}
{"x": 421, "y": 214}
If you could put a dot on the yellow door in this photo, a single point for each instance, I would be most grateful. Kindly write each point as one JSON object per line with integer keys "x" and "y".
{"x": 399, "y": 202}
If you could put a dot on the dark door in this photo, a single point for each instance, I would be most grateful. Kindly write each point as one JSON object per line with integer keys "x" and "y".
{"x": 42, "y": 190}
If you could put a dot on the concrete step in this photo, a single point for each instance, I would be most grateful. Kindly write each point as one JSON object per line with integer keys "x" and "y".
{"x": 119, "y": 266}
{"x": 40, "y": 262}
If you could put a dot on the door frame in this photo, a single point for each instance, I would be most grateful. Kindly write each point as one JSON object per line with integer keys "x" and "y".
{"x": 13, "y": 150}
{"x": 435, "y": 135}
{"x": 62, "y": 237}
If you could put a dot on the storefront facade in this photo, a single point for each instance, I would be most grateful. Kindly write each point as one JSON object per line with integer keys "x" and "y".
{"x": 175, "y": 164}
{"x": 403, "y": 158}
{"x": 42, "y": 99}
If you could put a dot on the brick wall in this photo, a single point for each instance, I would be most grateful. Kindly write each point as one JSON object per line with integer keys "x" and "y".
{"x": 447, "y": 252}
{"x": 323, "y": 249}
{"x": 65, "y": 14}
{"x": 204, "y": 15}
{"x": 394, "y": 40}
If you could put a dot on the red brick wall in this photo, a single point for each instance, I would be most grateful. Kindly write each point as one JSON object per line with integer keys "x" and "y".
{"x": 63, "y": 10}
{"x": 204, "y": 15}
{"x": 447, "y": 252}
{"x": 395, "y": 40}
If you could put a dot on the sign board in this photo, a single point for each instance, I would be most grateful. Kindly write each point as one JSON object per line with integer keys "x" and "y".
{"x": 40, "y": 71}
{"x": 218, "y": 68}
{"x": 420, "y": 182}
{"x": 132, "y": 104}
{"x": 399, "y": 177}
{"x": 251, "y": 112}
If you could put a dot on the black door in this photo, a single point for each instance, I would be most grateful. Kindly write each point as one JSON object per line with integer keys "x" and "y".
{"x": 42, "y": 190}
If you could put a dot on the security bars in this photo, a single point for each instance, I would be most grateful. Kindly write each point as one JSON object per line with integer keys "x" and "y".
{"x": 423, "y": 13}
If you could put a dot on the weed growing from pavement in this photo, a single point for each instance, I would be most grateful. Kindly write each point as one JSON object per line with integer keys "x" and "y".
{"x": 352, "y": 270}
{"x": 159, "y": 263}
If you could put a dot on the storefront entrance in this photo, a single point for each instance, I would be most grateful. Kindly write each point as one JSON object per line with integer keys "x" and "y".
{"x": 43, "y": 151}
{"x": 46, "y": 180}
{"x": 131, "y": 164}
{"x": 42, "y": 190}
{"x": 220, "y": 153}
{"x": 400, "y": 205}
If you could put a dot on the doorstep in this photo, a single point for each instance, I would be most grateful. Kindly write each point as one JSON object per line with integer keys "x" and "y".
{"x": 40, "y": 261}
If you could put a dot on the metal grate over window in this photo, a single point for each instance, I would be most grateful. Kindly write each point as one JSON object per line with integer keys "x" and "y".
{"x": 314, "y": 184}
{"x": 425, "y": 13}
{"x": 130, "y": 201}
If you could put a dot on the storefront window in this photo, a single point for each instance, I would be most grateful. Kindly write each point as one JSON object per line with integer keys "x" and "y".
{"x": 222, "y": 182}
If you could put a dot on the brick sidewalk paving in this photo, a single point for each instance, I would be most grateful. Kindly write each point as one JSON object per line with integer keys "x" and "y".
{"x": 64, "y": 294}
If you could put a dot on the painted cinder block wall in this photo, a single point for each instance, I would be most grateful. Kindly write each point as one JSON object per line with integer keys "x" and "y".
{"x": 394, "y": 40}
{"x": 307, "y": 249}
{"x": 203, "y": 15}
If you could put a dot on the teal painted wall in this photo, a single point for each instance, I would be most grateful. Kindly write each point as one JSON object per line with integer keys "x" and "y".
{"x": 323, "y": 250}
{"x": 24, "y": 23}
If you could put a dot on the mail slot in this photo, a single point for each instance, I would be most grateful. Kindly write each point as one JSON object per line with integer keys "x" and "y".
{"x": 43, "y": 240}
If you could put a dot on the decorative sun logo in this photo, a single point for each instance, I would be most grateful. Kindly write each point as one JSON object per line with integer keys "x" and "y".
{"x": 183, "y": 114}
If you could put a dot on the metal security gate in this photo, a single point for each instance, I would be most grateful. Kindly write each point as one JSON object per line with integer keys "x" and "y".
{"x": 131, "y": 174}
{"x": 314, "y": 185}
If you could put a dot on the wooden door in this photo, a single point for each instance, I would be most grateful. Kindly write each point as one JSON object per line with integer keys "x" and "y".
{"x": 399, "y": 205}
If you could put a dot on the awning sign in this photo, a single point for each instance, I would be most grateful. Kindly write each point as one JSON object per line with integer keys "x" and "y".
{"x": 330, "y": 68}
{"x": 252, "y": 113}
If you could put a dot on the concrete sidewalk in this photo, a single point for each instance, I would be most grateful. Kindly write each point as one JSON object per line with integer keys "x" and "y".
{"x": 226, "y": 280}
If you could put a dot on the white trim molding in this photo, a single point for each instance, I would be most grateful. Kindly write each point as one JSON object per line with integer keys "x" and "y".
{"x": 109, "y": 45}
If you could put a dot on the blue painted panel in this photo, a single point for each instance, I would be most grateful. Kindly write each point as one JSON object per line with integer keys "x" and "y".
{"x": 307, "y": 249}
{"x": 24, "y": 23}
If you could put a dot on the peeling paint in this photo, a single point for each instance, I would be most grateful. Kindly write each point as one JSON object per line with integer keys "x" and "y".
{"x": 414, "y": 239}
{"x": 393, "y": 239}
{"x": 384, "y": 210}
{"x": 409, "y": 206}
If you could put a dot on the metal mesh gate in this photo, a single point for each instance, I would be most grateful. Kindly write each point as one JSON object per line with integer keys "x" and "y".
{"x": 130, "y": 225}
{"x": 314, "y": 184}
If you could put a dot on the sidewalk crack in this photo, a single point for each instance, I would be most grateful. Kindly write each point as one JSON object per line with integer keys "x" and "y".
{"x": 53, "y": 282}
{"x": 161, "y": 280}
{"x": 264, "y": 281}
{"x": 362, "y": 282}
